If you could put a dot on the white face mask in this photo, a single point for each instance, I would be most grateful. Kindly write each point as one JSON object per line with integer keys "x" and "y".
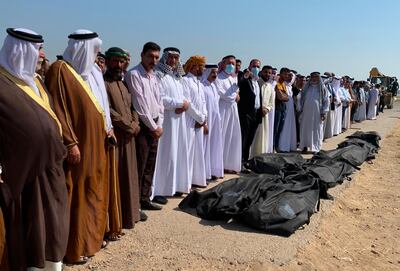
{"x": 230, "y": 69}
{"x": 255, "y": 71}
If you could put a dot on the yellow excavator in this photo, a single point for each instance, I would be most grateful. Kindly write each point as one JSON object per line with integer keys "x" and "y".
{"x": 387, "y": 84}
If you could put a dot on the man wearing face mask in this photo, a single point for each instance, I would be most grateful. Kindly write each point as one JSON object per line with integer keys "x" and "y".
{"x": 313, "y": 106}
{"x": 213, "y": 154}
{"x": 171, "y": 176}
{"x": 249, "y": 106}
{"x": 196, "y": 118}
{"x": 227, "y": 88}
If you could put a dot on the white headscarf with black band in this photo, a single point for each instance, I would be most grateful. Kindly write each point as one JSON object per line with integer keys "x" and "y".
{"x": 19, "y": 57}
{"x": 206, "y": 73}
{"x": 82, "y": 53}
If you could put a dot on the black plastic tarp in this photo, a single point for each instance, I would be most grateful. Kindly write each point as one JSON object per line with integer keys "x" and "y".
{"x": 284, "y": 189}
{"x": 261, "y": 201}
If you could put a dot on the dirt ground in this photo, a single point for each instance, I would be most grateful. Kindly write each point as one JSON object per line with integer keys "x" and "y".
{"x": 359, "y": 230}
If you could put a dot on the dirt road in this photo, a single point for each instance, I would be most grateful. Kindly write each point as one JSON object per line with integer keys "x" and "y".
{"x": 359, "y": 230}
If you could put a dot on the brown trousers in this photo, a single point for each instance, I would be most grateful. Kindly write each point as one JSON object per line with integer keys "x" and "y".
{"x": 146, "y": 153}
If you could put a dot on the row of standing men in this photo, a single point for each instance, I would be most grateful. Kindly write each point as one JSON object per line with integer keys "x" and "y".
{"x": 98, "y": 148}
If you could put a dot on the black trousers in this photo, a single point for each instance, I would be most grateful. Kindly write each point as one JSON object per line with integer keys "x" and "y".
{"x": 381, "y": 104}
{"x": 280, "y": 116}
{"x": 353, "y": 111}
{"x": 146, "y": 154}
{"x": 248, "y": 126}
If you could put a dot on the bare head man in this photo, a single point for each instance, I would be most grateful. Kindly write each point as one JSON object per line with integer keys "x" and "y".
{"x": 150, "y": 55}
{"x": 266, "y": 73}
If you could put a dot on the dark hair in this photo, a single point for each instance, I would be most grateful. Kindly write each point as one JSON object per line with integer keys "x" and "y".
{"x": 266, "y": 67}
{"x": 283, "y": 70}
{"x": 229, "y": 56}
{"x": 238, "y": 61}
{"x": 150, "y": 46}
{"x": 378, "y": 86}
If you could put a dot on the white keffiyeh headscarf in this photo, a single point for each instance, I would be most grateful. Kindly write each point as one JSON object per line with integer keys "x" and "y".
{"x": 19, "y": 57}
{"x": 206, "y": 73}
{"x": 81, "y": 54}
{"x": 163, "y": 67}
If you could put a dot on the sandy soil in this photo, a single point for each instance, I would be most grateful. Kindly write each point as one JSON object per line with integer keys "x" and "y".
{"x": 359, "y": 230}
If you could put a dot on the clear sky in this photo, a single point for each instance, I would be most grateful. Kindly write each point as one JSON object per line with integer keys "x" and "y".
{"x": 343, "y": 36}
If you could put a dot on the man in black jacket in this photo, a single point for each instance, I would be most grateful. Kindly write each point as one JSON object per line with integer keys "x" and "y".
{"x": 249, "y": 106}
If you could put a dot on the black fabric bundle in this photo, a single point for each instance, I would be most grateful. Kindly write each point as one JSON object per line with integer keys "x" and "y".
{"x": 284, "y": 190}
{"x": 276, "y": 163}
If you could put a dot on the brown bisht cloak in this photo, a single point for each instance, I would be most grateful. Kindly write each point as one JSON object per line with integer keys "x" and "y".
{"x": 33, "y": 196}
{"x": 82, "y": 121}
{"x": 126, "y": 127}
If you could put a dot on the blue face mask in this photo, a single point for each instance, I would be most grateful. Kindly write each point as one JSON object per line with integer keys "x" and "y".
{"x": 255, "y": 71}
{"x": 230, "y": 68}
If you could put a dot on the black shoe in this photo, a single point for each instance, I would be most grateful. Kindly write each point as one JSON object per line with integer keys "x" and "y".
{"x": 178, "y": 194}
{"x": 147, "y": 205}
{"x": 160, "y": 200}
{"x": 143, "y": 216}
{"x": 212, "y": 180}
{"x": 244, "y": 169}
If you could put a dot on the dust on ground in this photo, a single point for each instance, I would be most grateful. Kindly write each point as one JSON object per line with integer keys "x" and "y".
{"x": 359, "y": 230}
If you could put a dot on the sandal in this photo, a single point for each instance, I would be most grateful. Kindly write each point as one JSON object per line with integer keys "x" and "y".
{"x": 82, "y": 260}
{"x": 114, "y": 238}
{"x": 105, "y": 243}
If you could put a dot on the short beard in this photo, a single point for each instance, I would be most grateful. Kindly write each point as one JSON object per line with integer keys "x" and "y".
{"x": 115, "y": 74}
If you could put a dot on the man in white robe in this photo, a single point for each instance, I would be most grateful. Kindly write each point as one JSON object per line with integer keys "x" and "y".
{"x": 271, "y": 113}
{"x": 373, "y": 102}
{"x": 262, "y": 141}
{"x": 330, "y": 117}
{"x": 346, "y": 104}
{"x": 363, "y": 106}
{"x": 196, "y": 119}
{"x": 227, "y": 88}
{"x": 213, "y": 153}
{"x": 288, "y": 139}
{"x": 314, "y": 106}
{"x": 337, "y": 127}
{"x": 360, "y": 113}
{"x": 171, "y": 176}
